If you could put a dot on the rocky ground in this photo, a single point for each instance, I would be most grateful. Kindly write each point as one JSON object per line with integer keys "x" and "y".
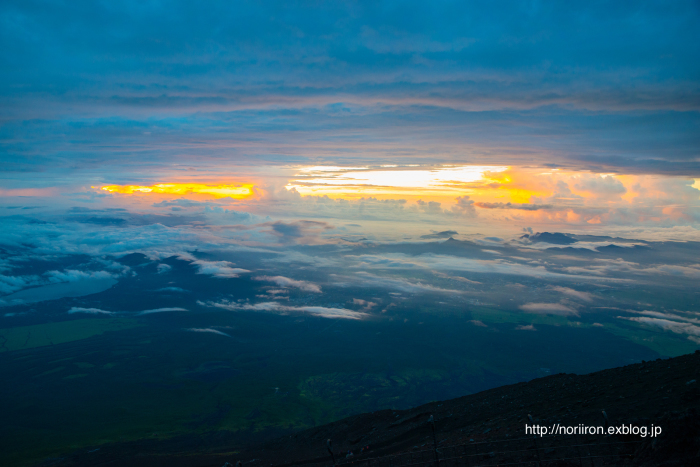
{"x": 664, "y": 392}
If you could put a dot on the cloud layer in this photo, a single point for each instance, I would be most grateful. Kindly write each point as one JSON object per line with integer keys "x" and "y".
{"x": 610, "y": 89}
{"x": 274, "y": 307}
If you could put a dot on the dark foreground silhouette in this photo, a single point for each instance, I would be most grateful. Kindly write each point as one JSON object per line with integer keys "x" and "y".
{"x": 664, "y": 392}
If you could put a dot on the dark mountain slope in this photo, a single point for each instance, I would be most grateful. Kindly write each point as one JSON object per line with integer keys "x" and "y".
{"x": 639, "y": 394}
{"x": 661, "y": 392}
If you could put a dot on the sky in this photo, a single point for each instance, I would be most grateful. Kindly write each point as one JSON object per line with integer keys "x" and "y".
{"x": 586, "y": 85}
{"x": 142, "y": 120}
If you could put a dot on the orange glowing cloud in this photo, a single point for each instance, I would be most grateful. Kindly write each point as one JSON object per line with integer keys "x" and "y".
{"x": 529, "y": 194}
{"x": 445, "y": 182}
{"x": 241, "y": 191}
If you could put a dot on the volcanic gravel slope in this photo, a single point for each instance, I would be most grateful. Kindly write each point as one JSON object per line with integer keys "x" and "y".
{"x": 663, "y": 392}
{"x": 643, "y": 393}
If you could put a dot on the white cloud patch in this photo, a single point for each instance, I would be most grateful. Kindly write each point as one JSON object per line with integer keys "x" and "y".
{"x": 10, "y": 284}
{"x": 333, "y": 312}
{"x": 208, "y": 330}
{"x": 222, "y": 269}
{"x": 463, "y": 207}
{"x": 91, "y": 311}
{"x": 365, "y": 279}
{"x": 71, "y": 275}
{"x": 688, "y": 329}
{"x": 429, "y": 207}
{"x": 528, "y": 327}
{"x": 671, "y": 316}
{"x": 585, "y": 296}
{"x": 549, "y": 309}
{"x": 366, "y": 305}
{"x": 160, "y": 310}
{"x": 603, "y": 267}
{"x": 606, "y": 186}
{"x": 455, "y": 278}
{"x": 154, "y": 240}
{"x": 282, "y": 281}
{"x": 97, "y": 311}
{"x": 274, "y": 307}
{"x": 490, "y": 266}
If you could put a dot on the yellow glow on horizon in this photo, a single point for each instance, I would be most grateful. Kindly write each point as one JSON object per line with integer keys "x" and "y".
{"x": 411, "y": 181}
{"x": 219, "y": 191}
{"x": 522, "y": 194}
{"x": 490, "y": 187}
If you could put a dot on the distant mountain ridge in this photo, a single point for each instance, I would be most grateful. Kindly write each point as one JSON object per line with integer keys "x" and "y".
{"x": 553, "y": 238}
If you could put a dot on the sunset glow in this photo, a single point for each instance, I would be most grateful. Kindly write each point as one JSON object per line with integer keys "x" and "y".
{"x": 410, "y": 181}
{"x": 493, "y": 193}
{"x": 218, "y": 191}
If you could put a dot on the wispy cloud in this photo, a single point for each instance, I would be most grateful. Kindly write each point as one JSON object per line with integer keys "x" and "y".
{"x": 222, "y": 269}
{"x": 97, "y": 311}
{"x": 365, "y": 279}
{"x": 160, "y": 310}
{"x": 91, "y": 311}
{"x": 688, "y": 329}
{"x": 209, "y": 330}
{"x": 282, "y": 281}
{"x": 75, "y": 276}
{"x": 9, "y": 284}
{"x": 506, "y": 266}
{"x": 585, "y": 296}
{"x": 549, "y": 309}
{"x": 275, "y": 307}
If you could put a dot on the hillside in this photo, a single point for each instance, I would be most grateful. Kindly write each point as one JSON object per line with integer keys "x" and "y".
{"x": 639, "y": 394}
{"x": 663, "y": 392}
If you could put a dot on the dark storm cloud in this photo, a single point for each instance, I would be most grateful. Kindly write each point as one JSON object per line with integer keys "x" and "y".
{"x": 129, "y": 84}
